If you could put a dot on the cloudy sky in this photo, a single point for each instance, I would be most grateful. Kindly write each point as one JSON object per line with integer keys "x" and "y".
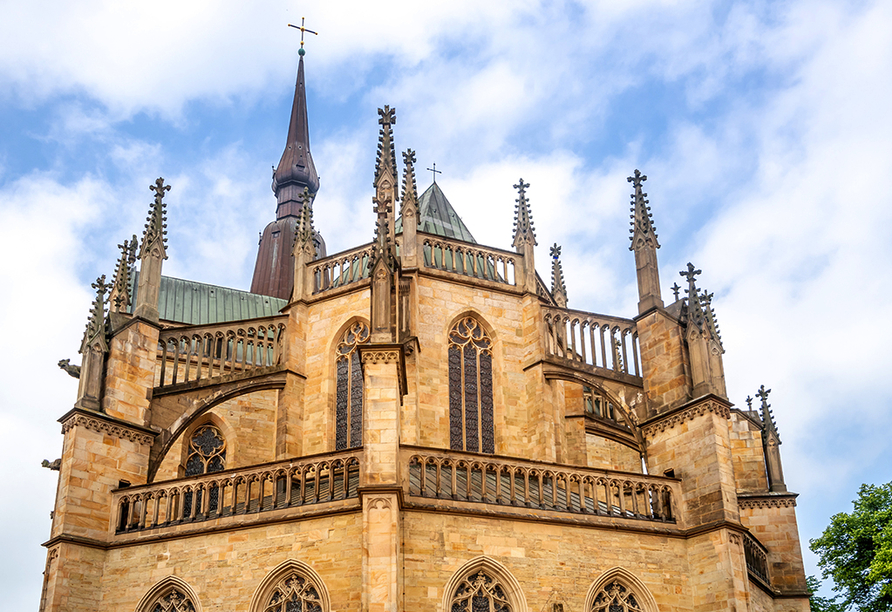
{"x": 764, "y": 129}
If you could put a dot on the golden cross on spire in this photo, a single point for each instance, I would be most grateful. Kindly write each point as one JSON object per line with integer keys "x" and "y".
{"x": 302, "y": 30}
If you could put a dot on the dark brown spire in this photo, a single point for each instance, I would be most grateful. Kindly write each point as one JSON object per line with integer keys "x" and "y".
{"x": 296, "y": 170}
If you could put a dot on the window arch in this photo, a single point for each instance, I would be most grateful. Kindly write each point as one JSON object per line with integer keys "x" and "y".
{"x": 348, "y": 401}
{"x": 291, "y": 586}
{"x": 471, "y": 425}
{"x": 205, "y": 454}
{"x": 618, "y": 590}
{"x": 171, "y": 594}
{"x": 483, "y": 585}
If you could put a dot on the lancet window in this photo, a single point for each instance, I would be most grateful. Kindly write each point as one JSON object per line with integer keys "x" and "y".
{"x": 471, "y": 425}
{"x": 615, "y": 597}
{"x": 174, "y": 601}
{"x": 480, "y": 592}
{"x": 206, "y": 454}
{"x": 294, "y": 593}
{"x": 348, "y": 401}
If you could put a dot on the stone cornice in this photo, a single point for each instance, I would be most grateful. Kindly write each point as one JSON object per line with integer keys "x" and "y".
{"x": 105, "y": 424}
{"x": 380, "y": 356}
{"x": 703, "y": 405}
{"x": 783, "y": 500}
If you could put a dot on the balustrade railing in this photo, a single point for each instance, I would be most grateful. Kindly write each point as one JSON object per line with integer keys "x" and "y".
{"x": 756, "y": 558}
{"x": 203, "y": 352}
{"x": 599, "y": 341}
{"x": 235, "y": 493}
{"x": 472, "y": 478}
{"x": 341, "y": 269}
{"x": 471, "y": 260}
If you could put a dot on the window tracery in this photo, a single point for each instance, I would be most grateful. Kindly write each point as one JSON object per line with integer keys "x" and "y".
{"x": 615, "y": 597}
{"x": 174, "y": 601}
{"x": 480, "y": 592}
{"x": 348, "y": 401}
{"x": 207, "y": 454}
{"x": 471, "y": 424}
{"x": 294, "y": 593}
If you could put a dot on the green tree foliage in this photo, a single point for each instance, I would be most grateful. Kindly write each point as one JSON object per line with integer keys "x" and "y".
{"x": 856, "y": 551}
{"x": 818, "y": 603}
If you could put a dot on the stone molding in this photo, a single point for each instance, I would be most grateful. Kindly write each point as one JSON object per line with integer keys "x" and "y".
{"x": 380, "y": 356}
{"x": 103, "y": 426}
{"x": 686, "y": 414}
{"x": 786, "y": 501}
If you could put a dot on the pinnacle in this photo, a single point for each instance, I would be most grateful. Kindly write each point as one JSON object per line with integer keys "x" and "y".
{"x": 524, "y": 231}
{"x": 643, "y": 231}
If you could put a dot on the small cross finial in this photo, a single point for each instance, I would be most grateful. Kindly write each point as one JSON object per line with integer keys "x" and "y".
{"x": 762, "y": 394}
{"x": 409, "y": 158}
{"x": 521, "y": 187}
{"x": 388, "y": 116}
{"x": 691, "y": 273}
{"x": 637, "y": 179}
{"x": 302, "y": 30}
{"x": 435, "y": 171}
{"x": 675, "y": 290}
{"x": 749, "y": 402}
{"x": 100, "y": 285}
{"x": 555, "y": 251}
{"x": 159, "y": 188}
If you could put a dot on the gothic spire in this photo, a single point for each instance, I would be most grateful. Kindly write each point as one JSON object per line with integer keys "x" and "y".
{"x": 304, "y": 232}
{"x": 643, "y": 232}
{"x": 770, "y": 427}
{"x": 709, "y": 312}
{"x": 695, "y": 307}
{"x": 96, "y": 328}
{"x": 410, "y": 191}
{"x": 155, "y": 234}
{"x": 120, "y": 299}
{"x": 524, "y": 232}
{"x": 386, "y": 151}
{"x": 558, "y": 287}
{"x": 296, "y": 170}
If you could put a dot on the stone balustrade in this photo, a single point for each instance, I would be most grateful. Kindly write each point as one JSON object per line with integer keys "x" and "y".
{"x": 230, "y": 495}
{"x": 466, "y": 259}
{"x": 593, "y": 340}
{"x": 756, "y": 558}
{"x": 219, "y": 351}
{"x": 469, "y": 477}
{"x": 340, "y": 269}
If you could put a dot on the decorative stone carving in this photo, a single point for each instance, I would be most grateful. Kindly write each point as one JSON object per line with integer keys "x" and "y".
{"x": 688, "y": 414}
{"x": 102, "y": 426}
{"x": 766, "y": 502}
{"x": 380, "y": 357}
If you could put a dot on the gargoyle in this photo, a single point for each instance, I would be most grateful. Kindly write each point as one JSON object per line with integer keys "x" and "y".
{"x": 73, "y": 370}
{"x": 55, "y": 465}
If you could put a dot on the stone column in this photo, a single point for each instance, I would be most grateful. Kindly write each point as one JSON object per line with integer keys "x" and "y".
{"x": 292, "y": 398}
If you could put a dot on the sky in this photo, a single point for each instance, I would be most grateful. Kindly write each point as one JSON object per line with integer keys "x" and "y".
{"x": 763, "y": 128}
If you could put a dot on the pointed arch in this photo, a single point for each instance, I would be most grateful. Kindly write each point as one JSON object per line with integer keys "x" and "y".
{"x": 349, "y": 382}
{"x": 619, "y": 586}
{"x": 468, "y": 574}
{"x": 291, "y": 578}
{"x": 470, "y": 364}
{"x": 170, "y": 594}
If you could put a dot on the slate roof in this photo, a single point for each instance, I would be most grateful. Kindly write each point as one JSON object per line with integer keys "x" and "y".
{"x": 193, "y": 303}
{"x": 436, "y": 216}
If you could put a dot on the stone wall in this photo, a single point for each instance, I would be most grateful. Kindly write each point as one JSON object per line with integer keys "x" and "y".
{"x": 749, "y": 459}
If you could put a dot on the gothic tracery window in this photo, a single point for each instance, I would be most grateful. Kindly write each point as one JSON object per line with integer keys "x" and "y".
{"x": 615, "y": 597}
{"x": 480, "y": 592}
{"x": 294, "y": 593}
{"x": 207, "y": 454}
{"x": 348, "y": 402}
{"x": 470, "y": 388}
{"x": 174, "y": 601}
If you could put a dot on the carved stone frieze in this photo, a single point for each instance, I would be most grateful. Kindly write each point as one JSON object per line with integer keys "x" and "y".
{"x": 786, "y": 501}
{"x": 106, "y": 427}
{"x": 687, "y": 414}
{"x": 380, "y": 356}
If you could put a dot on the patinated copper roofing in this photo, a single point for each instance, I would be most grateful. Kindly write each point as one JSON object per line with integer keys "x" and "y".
{"x": 193, "y": 303}
{"x": 436, "y": 216}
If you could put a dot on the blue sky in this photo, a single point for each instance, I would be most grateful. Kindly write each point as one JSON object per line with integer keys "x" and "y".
{"x": 764, "y": 129}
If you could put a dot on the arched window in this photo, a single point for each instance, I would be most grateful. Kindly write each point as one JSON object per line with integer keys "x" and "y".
{"x": 170, "y": 595}
{"x": 480, "y": 592}
{"x": 470, "y": 388}
{"x": 615, "y": 597}
{"x": 206, "y": 454}
{"x": 348, "y": 403}
{"x": 294, "y": 593}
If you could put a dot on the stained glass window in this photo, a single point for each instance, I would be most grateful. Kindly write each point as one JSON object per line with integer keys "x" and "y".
{"x": 207, "y": 454}
{"x": 348, "y": 401}
{"x": 294, "y": 593}
{"x": 615, "y": 597}
{"x": 471, "y": 425}
{"x": 480, "y": 592}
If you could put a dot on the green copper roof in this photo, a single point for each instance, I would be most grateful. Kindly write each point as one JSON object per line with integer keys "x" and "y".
{"x": 193, "y": 303}
{"x": 436, "y": 216}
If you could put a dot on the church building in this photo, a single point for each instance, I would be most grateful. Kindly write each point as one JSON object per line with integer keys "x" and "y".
{"x": 419, "y": 423}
